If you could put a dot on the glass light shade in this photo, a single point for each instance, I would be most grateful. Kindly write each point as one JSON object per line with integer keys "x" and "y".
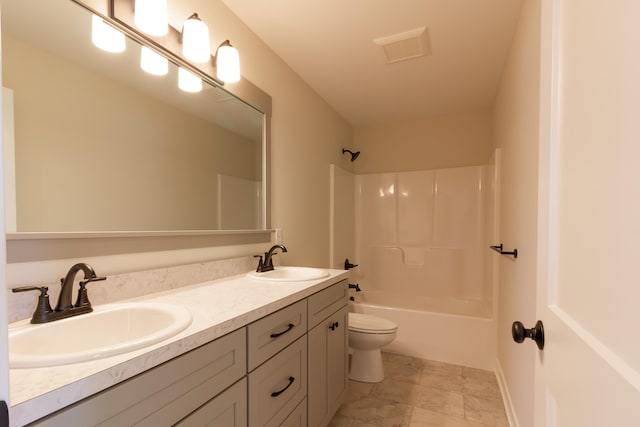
{"x": 105, "y": 37}
{"x": 151, "y": 17}
{"x": 188, "y": 82}
{"x": 153, "y": 63}
{"x": 228, "y": 63}
{"x": 195, "y": 40}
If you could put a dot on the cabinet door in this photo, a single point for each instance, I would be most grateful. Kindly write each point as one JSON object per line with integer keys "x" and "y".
{"x": 338, "y": 361}
{"x": 328, "y": 376}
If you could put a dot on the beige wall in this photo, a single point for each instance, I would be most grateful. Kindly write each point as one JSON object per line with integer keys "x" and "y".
{"x": 444, "y": 141}
{"x": 516, "y": 133}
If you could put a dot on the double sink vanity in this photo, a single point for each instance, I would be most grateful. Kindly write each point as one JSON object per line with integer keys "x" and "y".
{"x": 257, "y": 349}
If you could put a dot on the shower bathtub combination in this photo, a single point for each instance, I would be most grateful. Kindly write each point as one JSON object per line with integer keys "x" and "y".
{"x": 422, "y": 245}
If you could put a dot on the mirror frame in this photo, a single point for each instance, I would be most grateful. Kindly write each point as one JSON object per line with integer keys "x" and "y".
{"x": 41, "y": 246}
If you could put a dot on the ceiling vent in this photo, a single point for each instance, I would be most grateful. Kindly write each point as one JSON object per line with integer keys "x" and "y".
{"x": 408, "y": 45}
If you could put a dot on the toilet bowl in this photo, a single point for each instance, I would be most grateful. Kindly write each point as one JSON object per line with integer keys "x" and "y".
{"x": 367, "y": 334}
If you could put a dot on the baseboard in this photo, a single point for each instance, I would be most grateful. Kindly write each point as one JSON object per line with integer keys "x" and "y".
{"x": 506, "y": 397}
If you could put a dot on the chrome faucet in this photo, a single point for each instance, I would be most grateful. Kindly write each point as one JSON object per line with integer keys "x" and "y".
{"x": 44, "y": 313}
{"x": 267, "y": 263}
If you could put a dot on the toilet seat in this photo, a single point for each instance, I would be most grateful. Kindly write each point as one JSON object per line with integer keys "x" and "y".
{"x": 366, "y": 323}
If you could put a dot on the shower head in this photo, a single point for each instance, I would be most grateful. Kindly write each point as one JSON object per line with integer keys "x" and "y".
{"x": 353, "y": 155}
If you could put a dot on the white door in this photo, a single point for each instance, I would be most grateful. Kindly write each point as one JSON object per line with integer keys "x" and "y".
{"x": 589, "y": 215}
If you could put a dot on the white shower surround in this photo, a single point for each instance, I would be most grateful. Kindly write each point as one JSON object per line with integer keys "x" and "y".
{"x": 422, "y": 247}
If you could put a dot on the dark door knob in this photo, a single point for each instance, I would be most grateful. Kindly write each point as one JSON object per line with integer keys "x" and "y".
{"x": 4, "y": 414}
{"x": 519, "y": 333}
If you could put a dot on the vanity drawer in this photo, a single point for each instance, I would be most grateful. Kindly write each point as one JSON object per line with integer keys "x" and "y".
{"x": 326, "y": 302}
{"x": 164, "y": 394}
{"x": 228, "y": 409}
{"x": 272, "y": 333}
{"x": 278, "y": 386}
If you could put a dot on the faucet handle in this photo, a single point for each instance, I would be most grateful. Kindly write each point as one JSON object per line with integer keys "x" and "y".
{"x": 92, "y": 279}
{"x": 43, "y": 307}
{"x": 83, "y": 297}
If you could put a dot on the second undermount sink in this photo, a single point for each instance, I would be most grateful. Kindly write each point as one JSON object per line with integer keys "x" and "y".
{"x": 290, "y": 274}
{"x": 109, "y": 330}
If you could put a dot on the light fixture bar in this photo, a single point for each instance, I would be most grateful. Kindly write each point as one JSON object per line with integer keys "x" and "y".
{"x": 122, "y": 11}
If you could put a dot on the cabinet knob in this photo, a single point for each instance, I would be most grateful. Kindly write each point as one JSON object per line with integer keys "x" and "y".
{"x": 333, "y": 326}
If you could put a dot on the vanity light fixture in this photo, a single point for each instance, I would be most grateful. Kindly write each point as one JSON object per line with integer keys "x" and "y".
{"x": 135, "y": 16}
{"x": 227, "y": 62}
{"x": 151, "y": 17}
{"x": 106, "y": 37}
{"x": 195, "y": 40}
{"x": 188, "y": 82}
{"x": 153, "y": 63}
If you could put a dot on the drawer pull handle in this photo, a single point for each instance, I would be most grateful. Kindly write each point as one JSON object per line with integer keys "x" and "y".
{"x": 278, "y": 393}
{"x": 333, "y": 326}
{"x": 289, "y": 327}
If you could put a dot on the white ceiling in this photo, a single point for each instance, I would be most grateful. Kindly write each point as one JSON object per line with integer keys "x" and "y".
{"x": 329, "y": 43}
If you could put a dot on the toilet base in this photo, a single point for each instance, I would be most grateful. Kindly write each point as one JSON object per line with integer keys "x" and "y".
{"x": 366, "y": 366}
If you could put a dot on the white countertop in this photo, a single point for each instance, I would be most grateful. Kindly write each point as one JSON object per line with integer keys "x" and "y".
{"x": 218, "y": 307}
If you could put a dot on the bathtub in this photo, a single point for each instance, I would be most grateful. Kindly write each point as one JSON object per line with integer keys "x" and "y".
{"x": 461, "y": 332}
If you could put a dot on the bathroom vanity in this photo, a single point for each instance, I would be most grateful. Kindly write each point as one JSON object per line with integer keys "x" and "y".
{"x": 257, "y": 353}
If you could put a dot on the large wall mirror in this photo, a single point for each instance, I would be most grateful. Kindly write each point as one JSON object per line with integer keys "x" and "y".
{"x": 99, "y": 145}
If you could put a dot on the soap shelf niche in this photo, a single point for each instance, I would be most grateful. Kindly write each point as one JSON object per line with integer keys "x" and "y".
{"x": 499, "y": 249}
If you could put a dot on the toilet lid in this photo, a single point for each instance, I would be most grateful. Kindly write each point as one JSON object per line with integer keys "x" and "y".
{"x": 366, "y": 323}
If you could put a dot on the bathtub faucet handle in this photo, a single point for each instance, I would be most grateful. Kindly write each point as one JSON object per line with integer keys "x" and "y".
{"x": 348, "y": 265}
{"x": 356, "y": 287}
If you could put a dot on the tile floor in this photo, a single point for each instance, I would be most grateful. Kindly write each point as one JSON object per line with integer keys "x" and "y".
{"x": 424, "y": 393}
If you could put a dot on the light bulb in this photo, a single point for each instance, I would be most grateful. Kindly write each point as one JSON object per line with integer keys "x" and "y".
{"x": 228, "y": 63}
{"x": 195, "y": 40}
{"x": 105, "y": 37}
{"x": 153, "y": 63}
{"x": 188, "y": 82}
{"x": 151, "y": 17}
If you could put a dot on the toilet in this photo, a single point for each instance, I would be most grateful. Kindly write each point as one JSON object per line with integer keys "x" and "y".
{"x": 367, "y": 334}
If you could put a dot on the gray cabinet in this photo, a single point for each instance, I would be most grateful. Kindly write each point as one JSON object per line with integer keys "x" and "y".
{"x": 286, "y": 369}
{"x": 328, "y": 354}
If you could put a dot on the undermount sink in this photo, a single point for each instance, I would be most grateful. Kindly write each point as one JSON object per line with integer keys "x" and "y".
{"x": 290, "y": 274}
{"x": 109, "y": 330}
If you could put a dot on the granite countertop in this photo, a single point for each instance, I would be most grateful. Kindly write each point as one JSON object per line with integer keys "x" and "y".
{"x": 218, "y": 307}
